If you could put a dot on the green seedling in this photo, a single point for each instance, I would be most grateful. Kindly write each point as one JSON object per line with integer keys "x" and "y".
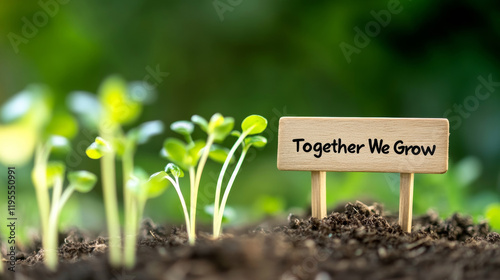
{"x": 251, "y": 125}
{"x": 48, "y": 175}
{"x": 136, "y": 136}
{"x": 141, "y": 188}
{"x": 192, "y": 156}
{"x": 126, "y": 145}
{"x": 117, "y": 104}
{"x": 173, "y": 173}
{"x": 101, "y": 149}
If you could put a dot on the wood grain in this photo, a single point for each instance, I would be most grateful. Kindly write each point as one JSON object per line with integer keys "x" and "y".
{"x": 421, "y": 132}
{"x": 318, "y": 194}
{"x": 406, "y": 201}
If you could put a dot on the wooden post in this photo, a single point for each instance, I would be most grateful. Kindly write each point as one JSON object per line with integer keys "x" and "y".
{"x": 318, "y": 194}
{"x": 405, "y": 201}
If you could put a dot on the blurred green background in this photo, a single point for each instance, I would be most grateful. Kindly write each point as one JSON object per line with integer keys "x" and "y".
{"x": 273, "y": 58}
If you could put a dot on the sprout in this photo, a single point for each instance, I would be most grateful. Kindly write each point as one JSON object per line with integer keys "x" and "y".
{"x": 140, "y": 188}
{"x": 192, "y": 157}
{"x": 47, "y": 175}
{"x": 200, "y": 121}
{"x": 55, "y": 169}
{"x": 172, "y": 170}
{"x": 184, "y": 128}
{"x": 23, "y": 122}
{"x": 98, "y": 148}
{"x": 119, "y": 107}
{"x": 116, "y": 104}
{"x": 251, "y": 125}
{"x": 81, "y": 181}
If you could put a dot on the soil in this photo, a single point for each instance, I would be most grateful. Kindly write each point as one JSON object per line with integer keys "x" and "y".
{"x": 357, "y": 242}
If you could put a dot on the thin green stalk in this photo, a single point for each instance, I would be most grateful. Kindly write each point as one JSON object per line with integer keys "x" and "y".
{"x": 196, "y": 177}
{"x": 131, "y": 235}
{"x": 221, "y": 178}
{"x": 130, "y": 209}
{"x": 41, "y": 189}
{"x": 192, "y": 206}
{"x": 65, "y": 196}
{"x": 226, "y": 193}
{"x": 183, "y": 202}
{"x": 40, "y": 182}
{"x": 51, "y": 248}
{"x": 111, "y": 205}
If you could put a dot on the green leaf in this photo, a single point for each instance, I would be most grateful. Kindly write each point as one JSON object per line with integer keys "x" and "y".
{"x": 54, "y": 169}
{"x": 175, "y": 170}
{"x": 182, "y": 127}
{"x": 145, "y": 131}
{"x": 222, "y": 131}
{"x": 59, "y": 144}
{"x": 138, "y": 91}
{"x": 235, "y": 133}
{"x": 133, "y": 184}
{"x": 163, "y": 153}
{"x": 17, "y": 106}
{"x": 254, "y": 124}
{"x": 175, "y": 150}
{"x": 116, "y": 101}
{"x": 194, "y": 152}
{"x": 156, "y": 184}
{"x": 219, "y": 154}
{"x": 33, "y": 104}
{"x": 82, "y": 180}
{"x": 93, "y": 151}
{"x": 98, "y": 148}
{"x": 216, "y": 120}
{"x": 141, "y": 174}
{"x": 62, "y": 123}
{"x": 87, "y": 106}
{"x": 257, "y": 141}
{"x": 200, "y": 121}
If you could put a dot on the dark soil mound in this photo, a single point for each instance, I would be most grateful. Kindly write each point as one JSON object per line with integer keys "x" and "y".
{"x": 360, "y": 243}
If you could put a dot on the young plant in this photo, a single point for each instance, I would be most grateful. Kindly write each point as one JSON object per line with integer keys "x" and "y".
{"x": 101, "y": 149}
{"x": 135, "y": 202}
{"x": 192, "y": 155}
{"x": 251, "y": 125}
{"x": 48, "y": 175}
{"x": 118, "y": 103}
{"x": 173, "y": 173}
{"x": 126, "y": 145}
{"x": 141, "y": 188}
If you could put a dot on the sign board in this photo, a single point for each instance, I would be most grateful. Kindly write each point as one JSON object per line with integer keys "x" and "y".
{"x": 363, "y": 144}
{"x": 396, "y": 145}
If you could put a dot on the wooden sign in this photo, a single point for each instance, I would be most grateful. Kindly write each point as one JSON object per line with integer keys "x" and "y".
{"x": 396, "y": 145}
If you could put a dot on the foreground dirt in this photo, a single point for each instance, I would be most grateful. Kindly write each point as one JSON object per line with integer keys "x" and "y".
{"x": 357, "y": 243}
